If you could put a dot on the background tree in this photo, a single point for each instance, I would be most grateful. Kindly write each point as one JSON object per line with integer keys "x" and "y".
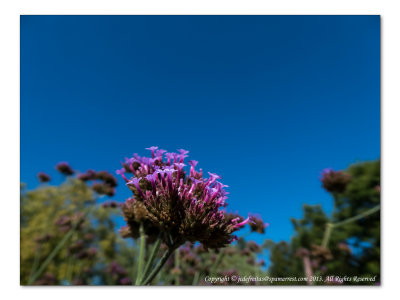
{"x": 353, "y": 244}
{"x": 49, "y": 215}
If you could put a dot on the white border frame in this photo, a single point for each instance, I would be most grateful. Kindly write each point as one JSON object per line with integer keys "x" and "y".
{"x": 9, "y": 124}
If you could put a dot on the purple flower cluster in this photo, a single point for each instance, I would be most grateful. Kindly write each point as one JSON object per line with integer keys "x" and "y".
{"x": 320, "y": 254}
{"x": 110, "y": 204}
{"x": 43, "y": 177}
{"x": 103, "y": 183}
{"x": 317, "y": 257}
{"x": 81, "y": 249}
{"x": 64, "y": 168}
{"x": 65, "y": 222}
{"x": 118, "y": 274}
{"x": 182, "y": 205}
{"x": 257, "y": 224}
{"x": 43, "y": 238}
{"x": 344, "y": 247}
{"x": 334, "y": 181}
{"x": 46, "y": 279}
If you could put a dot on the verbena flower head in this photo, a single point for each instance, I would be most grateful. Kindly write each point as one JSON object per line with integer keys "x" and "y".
{"x": 103, "y": 189}
{"x": 344, "y": 247}
{"x": 64, "y": 168}
{"x": 43, "y": 238}
{"x": 125, "y": 281}
{"x": 257, "y": 224}
{"x": 302, "y": 252}
{"x": 107, "y": 178}
{"x": 88, "y": 175}
{"x": 334, "y": 181}
{"x": 110, "y": 204}
{"x": 184, "y": 207}
{"x": 254, "y": 247}
{"x": 321, "y": 253}
{"x": 43, "y": 177}
{"x": 103, "y": 182}
{"x": 65, "y": 222}
{"x": 46, "y": 279}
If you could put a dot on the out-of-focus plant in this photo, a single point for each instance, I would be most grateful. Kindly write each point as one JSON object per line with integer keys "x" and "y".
{"x": 67, "y": 237}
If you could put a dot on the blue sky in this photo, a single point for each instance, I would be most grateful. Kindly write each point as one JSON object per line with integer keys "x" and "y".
{"x": 265, "y": 101}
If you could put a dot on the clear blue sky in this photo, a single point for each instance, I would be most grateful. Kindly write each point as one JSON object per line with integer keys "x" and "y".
{"x": 265, "y": 101}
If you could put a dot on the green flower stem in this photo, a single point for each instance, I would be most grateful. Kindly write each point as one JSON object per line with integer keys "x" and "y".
{"x": 177, "y": 267}
{"x": 217, "y": 262}
{"x": 38, "y": 252}
{"x": 78, "y": 271}
{"x": 327, "y": 234}
{"x": 196, "y": 278}
{"x": 68, "y": 276}
{"x": 35, "y": 262}
{"x": 359, "y": 216}
{"x": 141, "y": 254}
{"x": 258, "y": 273}
{"x": 329, "y": 227}
{"x": 151, "y": 259}
{"x": 133, "y": 269}
{"x": 158, "y": 267}
{"x": 51, "y": 256}
{"x": 56, "y": 250}
{"x": 71, "y": 263}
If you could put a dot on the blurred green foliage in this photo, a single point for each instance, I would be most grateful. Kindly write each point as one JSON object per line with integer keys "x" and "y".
{"x": 47, "y": 214}
{"x": 94, "y": 253}
{"x": 354, "y": 248}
